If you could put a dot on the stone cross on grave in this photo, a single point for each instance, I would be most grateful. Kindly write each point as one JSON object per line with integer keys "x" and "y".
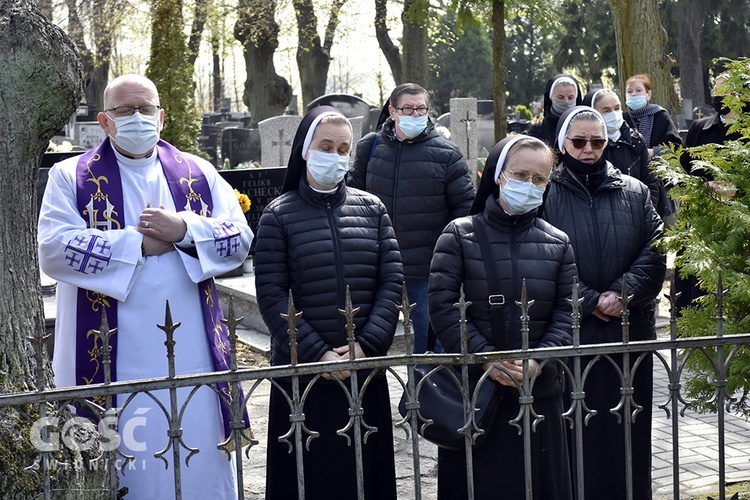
{"x": 281, "y": 142}
{"x": 464, "y": 130}
{"x": 276, "y": 136}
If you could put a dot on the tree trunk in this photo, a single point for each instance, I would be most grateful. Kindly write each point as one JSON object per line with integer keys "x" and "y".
{"x": 217, "y": 76}
{"x": 314, "y": 58}
{"x": 690, "y": 21}
{"x": 500, "y": 74}
{"x": 643, "y": 50}
{"x": 41, "y": 87}
{"x": 196, "y": 32}
{"x": 390, "y": 50}
{"x": 414, "y": 45}
{"x": 266, "y": 93}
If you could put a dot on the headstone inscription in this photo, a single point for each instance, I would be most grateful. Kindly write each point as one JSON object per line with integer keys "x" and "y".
{"x": 240, "y": 145}
{"x": 276, "y": 135}
{"x": 89, "y": 134}
{"x": 261, "y": 185}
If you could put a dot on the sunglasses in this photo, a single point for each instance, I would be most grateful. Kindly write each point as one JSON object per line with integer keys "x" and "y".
{"x": 581, "y": 143}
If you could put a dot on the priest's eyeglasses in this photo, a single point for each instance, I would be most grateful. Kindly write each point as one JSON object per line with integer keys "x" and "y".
{"x": 124, "y": 111}
{"x": 523, "y": 176}
{"x": 408, "y": 111}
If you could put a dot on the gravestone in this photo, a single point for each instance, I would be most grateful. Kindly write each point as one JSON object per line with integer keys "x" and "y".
{"x": 373, "y": 117}
{"x": 350, "y": 106}
{"x": 261, "y": 185}
{"x": 240, "y": 145}
{"x": 89, "y": 134}
{"x": 464, "y": 130}
{"x": 208, "y": 142}
{"x": 356, "y": 131}
{"x": 276, "y": 135}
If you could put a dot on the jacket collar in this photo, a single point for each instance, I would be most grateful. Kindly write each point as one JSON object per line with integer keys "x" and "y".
{"x": 612, "y": 179}
{"x": 316, "y": 199}
{"x": 497, "y": 218}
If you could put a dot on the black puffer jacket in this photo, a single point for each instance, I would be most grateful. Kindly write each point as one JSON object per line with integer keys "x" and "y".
{"x": 612, "y": 232}
{"x": 524, "y": 247}
{"x": 424, "y": 184}
{"x": 629, "y": 155}
{"x": 317, "y": 245}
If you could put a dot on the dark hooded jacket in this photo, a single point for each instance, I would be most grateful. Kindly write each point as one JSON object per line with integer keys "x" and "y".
{"x": 524, "y": 247}
{"x": 629, "y": 155}
{"x": 424, "y": 183}
{"x": 545, "y": 129}
{"x": 317, "y": 245}
{"x": 612, "y": 228}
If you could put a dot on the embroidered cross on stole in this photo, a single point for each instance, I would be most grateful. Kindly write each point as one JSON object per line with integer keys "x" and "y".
{"x": 100, "y": 202}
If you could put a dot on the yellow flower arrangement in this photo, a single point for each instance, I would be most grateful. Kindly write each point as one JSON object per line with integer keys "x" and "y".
{"x": 244, "y": 200}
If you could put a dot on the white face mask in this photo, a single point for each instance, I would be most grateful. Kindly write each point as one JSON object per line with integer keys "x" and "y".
{"x": 137, "y": 134}
{"x": 614, "y": 120}
{"x": 521, "y": 197}
{"x": 327, "y": 169}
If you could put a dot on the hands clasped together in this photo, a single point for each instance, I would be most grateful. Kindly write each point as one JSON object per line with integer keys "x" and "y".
{"x": 514, "y": 371}
{"x": 341, "y": 354}
{"x": 160, "y": 229}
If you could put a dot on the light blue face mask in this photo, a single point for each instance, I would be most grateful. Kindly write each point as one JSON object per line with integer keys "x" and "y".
{"x": 412, "y": 126}
{"x": 327, "y": 169}
{"x": 636, "y": 102}
{"x": 137, "y": 134}
{"x": 521, "y": 197}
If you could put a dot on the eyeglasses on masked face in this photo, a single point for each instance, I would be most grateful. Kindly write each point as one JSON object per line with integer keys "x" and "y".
{"x": 124, "y": 111}
{"x": 408, "y": 111}
{"x": 523, "y": 176}
{"x": 579, "y": 143}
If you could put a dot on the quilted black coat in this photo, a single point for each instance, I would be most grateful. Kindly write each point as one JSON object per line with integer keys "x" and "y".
{"x": 523, "y": 247}
{"x": 612, "y": 231}
{"x": 424, "y": 184}
{"x": 316, "y": 245}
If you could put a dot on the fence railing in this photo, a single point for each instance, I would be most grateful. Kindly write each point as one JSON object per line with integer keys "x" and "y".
{"x": 672, "y": 354}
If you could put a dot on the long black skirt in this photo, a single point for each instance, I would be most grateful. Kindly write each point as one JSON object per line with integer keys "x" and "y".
{"x": 604, "y": 454}
{"x": 499, "y": 460}
{"x": 330, "y": 463}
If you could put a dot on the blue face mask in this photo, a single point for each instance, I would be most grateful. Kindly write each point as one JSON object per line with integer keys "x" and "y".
{"x": 328, "y": 169}
{"x": 521, "y": 197}
{"x": 636, "y": 102}
{"x": 412, "y": 126}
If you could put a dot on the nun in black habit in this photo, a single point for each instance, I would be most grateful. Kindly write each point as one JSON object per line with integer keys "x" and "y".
{"x": 315, "y": 239}
{"x": 523, "y": 246}
{"x": 556, "y": 102}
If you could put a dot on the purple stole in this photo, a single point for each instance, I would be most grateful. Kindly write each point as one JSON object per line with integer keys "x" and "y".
{"x": 99, "y": 201}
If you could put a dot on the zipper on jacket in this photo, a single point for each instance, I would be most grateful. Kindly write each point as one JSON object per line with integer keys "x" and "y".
{"x": 341, "y": 285}
{"x": 395, "y": 186}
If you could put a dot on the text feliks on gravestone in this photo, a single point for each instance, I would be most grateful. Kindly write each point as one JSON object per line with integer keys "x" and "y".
{"x": 261, "y": 185}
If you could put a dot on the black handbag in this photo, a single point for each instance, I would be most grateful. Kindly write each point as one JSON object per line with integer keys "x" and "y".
{"x": 440, "y": 399}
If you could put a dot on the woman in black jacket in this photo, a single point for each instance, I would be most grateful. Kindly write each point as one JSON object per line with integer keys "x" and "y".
{"x": 612, "y": 225}
{"x": 626, "y": 149}
{"x": 316, "y": 239}
{"x": 522, "y": 247}
{"x": 562, "y": 92}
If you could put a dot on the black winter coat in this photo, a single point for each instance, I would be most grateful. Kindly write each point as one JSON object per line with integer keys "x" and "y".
{"x": 316, "y": 245}
{"x": 663, "y": 131}
{"x": 524, "y": 247}
{"x": 424, "y": 184}
{"x": 708, "y": 130}
{"x": 629, "y": 155}
{"x": 612, "y": 232}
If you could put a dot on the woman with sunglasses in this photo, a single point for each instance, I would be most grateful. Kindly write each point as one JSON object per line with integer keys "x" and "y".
{"x": 612, "y": 225}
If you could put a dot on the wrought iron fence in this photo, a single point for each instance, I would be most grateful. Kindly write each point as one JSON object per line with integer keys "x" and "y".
{"x": 52, "y": 403}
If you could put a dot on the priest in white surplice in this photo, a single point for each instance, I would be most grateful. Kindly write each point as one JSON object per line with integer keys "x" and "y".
{"x": 125, "y": 227}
